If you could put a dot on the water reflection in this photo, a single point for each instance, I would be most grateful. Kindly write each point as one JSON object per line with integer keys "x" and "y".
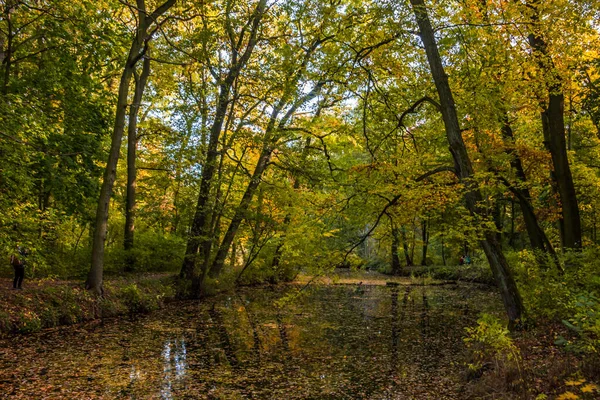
{"x": 334, "y": 342}
{"x": 174, "y": 356}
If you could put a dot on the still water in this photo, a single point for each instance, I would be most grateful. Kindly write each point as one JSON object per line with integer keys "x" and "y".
{"x": 328, "y": 342}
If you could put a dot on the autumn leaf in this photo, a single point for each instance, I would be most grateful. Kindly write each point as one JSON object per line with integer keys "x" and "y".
{"x": 590, "y": 388}
{"x": 567, "y": 396}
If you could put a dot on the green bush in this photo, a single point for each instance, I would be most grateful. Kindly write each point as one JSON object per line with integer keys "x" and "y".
{"x": 490, "y": 341}
{"x": 585, "y": 324}
{"x": 153, "y": 252}
{"x": 28, "y": 322}
{"x": 567, "y": 294}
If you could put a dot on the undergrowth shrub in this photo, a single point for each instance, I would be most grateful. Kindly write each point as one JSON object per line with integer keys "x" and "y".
{"x": 53, "y": 305}
{"x": 493, "y": 358}
{"x": 490, "y": 341}
{"x": 585, "y": 324}
{"x": 153, "y": 252}
{"x": 568, "y": 294}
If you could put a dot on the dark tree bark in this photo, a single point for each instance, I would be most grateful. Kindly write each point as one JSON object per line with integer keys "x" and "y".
{"x": 537, "y": 236}
{"x": 396, "y": 267}
{"x": 409, "y": 261}
{"x": 500, "y": 268}
{"x": 425, "y": 239}
{"x": 7, "y": 54}
{"x": 132, "y": 143}
{"x": 136, "y": 52}
{"x": 553, "y": 126}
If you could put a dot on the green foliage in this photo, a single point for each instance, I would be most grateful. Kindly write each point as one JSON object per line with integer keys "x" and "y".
{"x": 545, "y": 291}
{"x": 585, "y": 324}
{"x": 490, "y": 341}
{"x": 476, "y": 272}
{"x": 569, "y": 296}
{"x": 153, "y": 252}
{"x": 28, "y": 322}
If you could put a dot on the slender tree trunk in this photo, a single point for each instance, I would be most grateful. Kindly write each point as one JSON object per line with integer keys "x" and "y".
{"x": 233, "y": 259}
{"x": 263, "y": 162}
{"x": 94, "y": 279}
{"x": 132, "y": 142}
{"x": 443, "y": 251}
{"x": 396, "y": 267}
{"x": 425, "y": 239}
{"x": 553, "y": 126}
{"x": 499, "y": 265}
{"x": 200, "y": 242}
{"x": 136, "y": 52}
{"x": 409, "y": 261}
{"x": 7, "y": 55}
{"x": 239, "y": 216}
{"x": 535, "y": 232}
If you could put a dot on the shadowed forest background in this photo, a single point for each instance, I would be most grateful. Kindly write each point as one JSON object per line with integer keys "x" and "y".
{"x": 235, "y": 143}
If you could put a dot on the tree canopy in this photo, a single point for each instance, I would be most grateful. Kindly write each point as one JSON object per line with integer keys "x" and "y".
{"x": 269, "y": 137}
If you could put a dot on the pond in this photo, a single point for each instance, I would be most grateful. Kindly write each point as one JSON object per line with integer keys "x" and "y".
{"x": 324, "y": 342}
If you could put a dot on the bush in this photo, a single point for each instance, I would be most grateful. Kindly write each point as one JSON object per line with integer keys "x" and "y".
{"x": 569, "y": 296}
{"x": 491, "y": 348}
{"x": 153, "y": 252}
{"x": 585, "y": 324}
{"x": 138, "y": 300}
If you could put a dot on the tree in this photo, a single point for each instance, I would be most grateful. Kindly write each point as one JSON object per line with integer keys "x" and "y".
{"x": 139, "y": 46}
{"x": 132, "y": 143}
{"x": 241, "y": 47}
{"x": 553, "y": 126}
{"x": 462, "y": 164}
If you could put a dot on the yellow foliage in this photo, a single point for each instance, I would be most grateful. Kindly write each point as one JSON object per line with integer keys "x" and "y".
{"x": 567, "y": 396}
{"x": 589, "y": 388}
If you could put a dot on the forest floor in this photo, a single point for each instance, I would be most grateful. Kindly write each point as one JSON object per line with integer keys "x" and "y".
{"x": 48, "y": 303}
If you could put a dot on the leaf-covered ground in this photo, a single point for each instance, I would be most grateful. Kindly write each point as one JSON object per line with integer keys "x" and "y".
{"x": 47, "y": 303}
{"x": 328, "y": 342}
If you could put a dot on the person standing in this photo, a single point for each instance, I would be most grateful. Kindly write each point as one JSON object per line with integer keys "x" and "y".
{"x": 18, "y": 263}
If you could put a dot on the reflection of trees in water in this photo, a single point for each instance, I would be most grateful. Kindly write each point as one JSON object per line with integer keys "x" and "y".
{"x": 174, "y": 356}
{"x": 256, "y": 342}
{"x": 224, "y": 339}
{"x": 395, "y": 330}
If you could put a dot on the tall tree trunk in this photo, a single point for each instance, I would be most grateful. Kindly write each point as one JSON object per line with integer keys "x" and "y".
{"x": 136, "y": 52}
{"x": 531, "y": 224}
{"x": 500, "y": 268}
{"x": 553, "y": 126}
{"x": 7, "y": 54}
{"x": 443, "y": 251}
{"x": 261, "y": 166}
{"x": 409, "y": 261}
{"x": 132, "y": 142}
{"x": 396, "y": 267}
{"x": 425, "y": 239}
{"x": 94, "y": 279}
{"x": 200, "y": 242}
